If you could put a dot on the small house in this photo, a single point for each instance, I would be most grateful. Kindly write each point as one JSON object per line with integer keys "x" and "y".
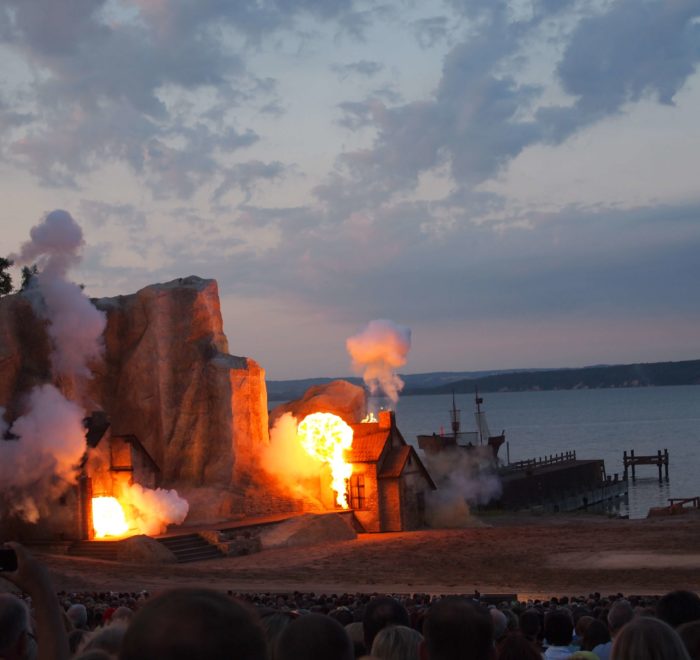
{"x": 389, "y": 483}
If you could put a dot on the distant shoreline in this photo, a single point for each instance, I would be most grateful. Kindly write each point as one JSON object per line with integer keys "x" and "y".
{"x": 654, "y": 374}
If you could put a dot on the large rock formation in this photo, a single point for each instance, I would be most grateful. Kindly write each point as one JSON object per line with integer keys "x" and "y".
{"x": 168, "y": 379}
{"x": 339, "y": 397}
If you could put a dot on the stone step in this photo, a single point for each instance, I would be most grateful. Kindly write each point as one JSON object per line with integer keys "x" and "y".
{"x": 190, "y": 547}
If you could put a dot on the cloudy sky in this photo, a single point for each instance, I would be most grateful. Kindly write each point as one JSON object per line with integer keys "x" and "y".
{"x": 517, "y": 181}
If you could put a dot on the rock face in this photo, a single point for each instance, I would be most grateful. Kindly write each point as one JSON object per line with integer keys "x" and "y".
{"x": 168, "y": 379}
{"x": 339, "y": 397}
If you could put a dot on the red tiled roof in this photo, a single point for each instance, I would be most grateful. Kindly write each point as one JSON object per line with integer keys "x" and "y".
{"x": 394, "y": 461}
{"x": 366, "y": 448}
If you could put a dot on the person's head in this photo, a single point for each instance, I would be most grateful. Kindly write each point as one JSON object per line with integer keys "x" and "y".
{"x": 621, "y": 613}
{"x": 582, "y": 624}
{"x": 500, "y": 623}
{"x": 647, "y": 638}
{"x": 596, "y": 633}
{"x": 558, "y": 628}
{"x": 77, "y": 615}
{"x": 273, "y": 623}
{"x": 530, "y": 623}
{"x": 454, "y": 629}
{"x": 108, "y": 638}
{"x": 194, "y": 624}
{"x": 382, "y": 612}
{"x": 690, "y": 634}
{"x": 517, "y": 647}
{"x": 397, "y": 643}
{"x": 678, "y": 607}
{"x": 314, "y": 637}
{"x": 357, "y": 637}
{"x": 16, "y": 639}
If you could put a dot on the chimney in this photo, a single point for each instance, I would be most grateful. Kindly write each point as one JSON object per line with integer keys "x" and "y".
{"x": 386, "y": 419}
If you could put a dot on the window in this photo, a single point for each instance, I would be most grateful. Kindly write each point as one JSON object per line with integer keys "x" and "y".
{"x": 357, "y": 491}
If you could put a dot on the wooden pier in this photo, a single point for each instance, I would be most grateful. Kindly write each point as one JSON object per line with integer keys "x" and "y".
{"x": 660, "y": 459}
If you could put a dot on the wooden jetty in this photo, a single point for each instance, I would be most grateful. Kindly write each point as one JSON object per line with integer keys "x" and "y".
{"x": 660, "y": 459}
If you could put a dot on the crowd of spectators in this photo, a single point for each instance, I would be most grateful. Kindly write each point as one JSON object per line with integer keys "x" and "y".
{"x": 193, "y": 624}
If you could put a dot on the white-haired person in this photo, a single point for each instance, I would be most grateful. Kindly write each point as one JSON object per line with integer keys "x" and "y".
{"x": 32, "y": 578}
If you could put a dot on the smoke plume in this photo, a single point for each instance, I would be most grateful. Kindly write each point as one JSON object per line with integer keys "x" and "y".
{"x": 151, "y": 511}
{"x": 376, "y": 352}
{"x": 49, "y": 438}
{"x": 75, "y": 325}
{"x": 50, "y": 444}
{"x": 463, "y": 478}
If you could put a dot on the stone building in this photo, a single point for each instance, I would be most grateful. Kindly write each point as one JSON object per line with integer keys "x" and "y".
{"x": 388, "y": 487}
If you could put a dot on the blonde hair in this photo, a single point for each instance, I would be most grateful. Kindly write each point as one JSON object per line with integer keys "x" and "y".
{"x": 397, "y": 643}
{"x": 646, "y": 638}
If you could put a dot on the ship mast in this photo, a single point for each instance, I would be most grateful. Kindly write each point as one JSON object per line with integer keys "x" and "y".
{"x": 478, "y": 401}
{"x": 454, "y": 417}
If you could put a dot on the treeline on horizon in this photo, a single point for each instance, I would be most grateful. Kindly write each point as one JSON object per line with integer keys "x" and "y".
{"x": 605, "y": 376}
{"x": 627, "y": 375}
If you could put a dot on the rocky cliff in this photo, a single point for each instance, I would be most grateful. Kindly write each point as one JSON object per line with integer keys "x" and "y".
{"x": 167, "y": 378}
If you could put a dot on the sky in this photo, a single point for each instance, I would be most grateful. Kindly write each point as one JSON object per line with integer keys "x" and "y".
{"x": 516, "y": 182}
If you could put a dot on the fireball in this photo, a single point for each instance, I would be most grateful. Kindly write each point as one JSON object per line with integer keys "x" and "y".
{"x": 108, "y": 517}
{"x": 326, "y": 437}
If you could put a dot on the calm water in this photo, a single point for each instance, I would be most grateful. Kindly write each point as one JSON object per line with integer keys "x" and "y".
{"x": 594, "y": 423}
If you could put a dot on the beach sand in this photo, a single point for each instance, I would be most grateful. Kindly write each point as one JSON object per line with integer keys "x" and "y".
{"x": 532, "y": 556}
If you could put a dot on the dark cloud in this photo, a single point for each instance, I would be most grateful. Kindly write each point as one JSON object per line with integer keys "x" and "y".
{"x": 109, "y": 80}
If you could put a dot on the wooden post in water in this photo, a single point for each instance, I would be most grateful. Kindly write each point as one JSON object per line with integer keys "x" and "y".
{"x": 659, "y": 462}
{"x": 634, "y": 476}
{"x": 624, "y": 463}
{"x": 666, "y": 462}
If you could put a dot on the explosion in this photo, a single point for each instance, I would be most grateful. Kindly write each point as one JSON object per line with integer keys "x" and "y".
{"x": 326, "y": 437}
{"x": 108, "y": 517}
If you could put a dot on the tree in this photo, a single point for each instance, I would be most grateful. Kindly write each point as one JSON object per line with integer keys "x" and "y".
{"x": 5, "y": 277}
{"x": 28, "y": 274}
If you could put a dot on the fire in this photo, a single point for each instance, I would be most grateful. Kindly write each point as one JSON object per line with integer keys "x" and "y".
{"x": 108, "y": 517}
{"x": 326, "y": 437}
{"x": 369, "y": 419}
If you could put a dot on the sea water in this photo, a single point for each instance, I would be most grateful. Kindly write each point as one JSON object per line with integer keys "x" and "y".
{"x": 596, "y": 424}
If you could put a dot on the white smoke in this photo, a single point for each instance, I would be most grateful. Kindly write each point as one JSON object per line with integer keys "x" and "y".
{"x": 463, "y": 478}
{"x": 75, "y": 325}
{"x": 50, "y": 437}
{"x": 151, "y": 511}
{"x": 376, "y": 352}
{"x": 50, "y": 444}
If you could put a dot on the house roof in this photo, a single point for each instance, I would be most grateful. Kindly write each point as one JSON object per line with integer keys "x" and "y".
{"x": 366, "y": 448}
{"x": 394, "y": 461}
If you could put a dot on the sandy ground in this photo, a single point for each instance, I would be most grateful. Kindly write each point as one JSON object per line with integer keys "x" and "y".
{"x": 530, "y": 556}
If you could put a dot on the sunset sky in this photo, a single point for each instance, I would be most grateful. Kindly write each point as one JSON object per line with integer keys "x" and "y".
{"x": 516, "y": 182}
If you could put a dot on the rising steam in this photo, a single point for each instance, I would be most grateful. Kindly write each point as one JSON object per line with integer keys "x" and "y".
{"x": 376, "y": 352}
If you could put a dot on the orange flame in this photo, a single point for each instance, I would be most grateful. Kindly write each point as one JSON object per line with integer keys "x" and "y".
{"x": 369, "y": 418}
{"x": 326, "y": 437}
{"x": 108, "y": 517}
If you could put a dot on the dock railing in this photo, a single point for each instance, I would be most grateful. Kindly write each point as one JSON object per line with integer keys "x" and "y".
{"x": 541, "y": 461}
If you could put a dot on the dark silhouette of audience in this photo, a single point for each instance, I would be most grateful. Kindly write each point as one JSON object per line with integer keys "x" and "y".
{"x": 455, "y": 629}
{"x": 194, "y": 624}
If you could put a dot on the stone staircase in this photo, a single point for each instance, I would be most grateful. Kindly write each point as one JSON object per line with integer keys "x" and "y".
{"x": 190, "y": 547}
{"x": 105, "y": 550}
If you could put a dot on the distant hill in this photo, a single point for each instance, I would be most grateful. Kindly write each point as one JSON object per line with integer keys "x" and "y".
{"x": 441, "y": 382}
{"x": 626, "y": 375}
{"x": 284, "y": 390}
